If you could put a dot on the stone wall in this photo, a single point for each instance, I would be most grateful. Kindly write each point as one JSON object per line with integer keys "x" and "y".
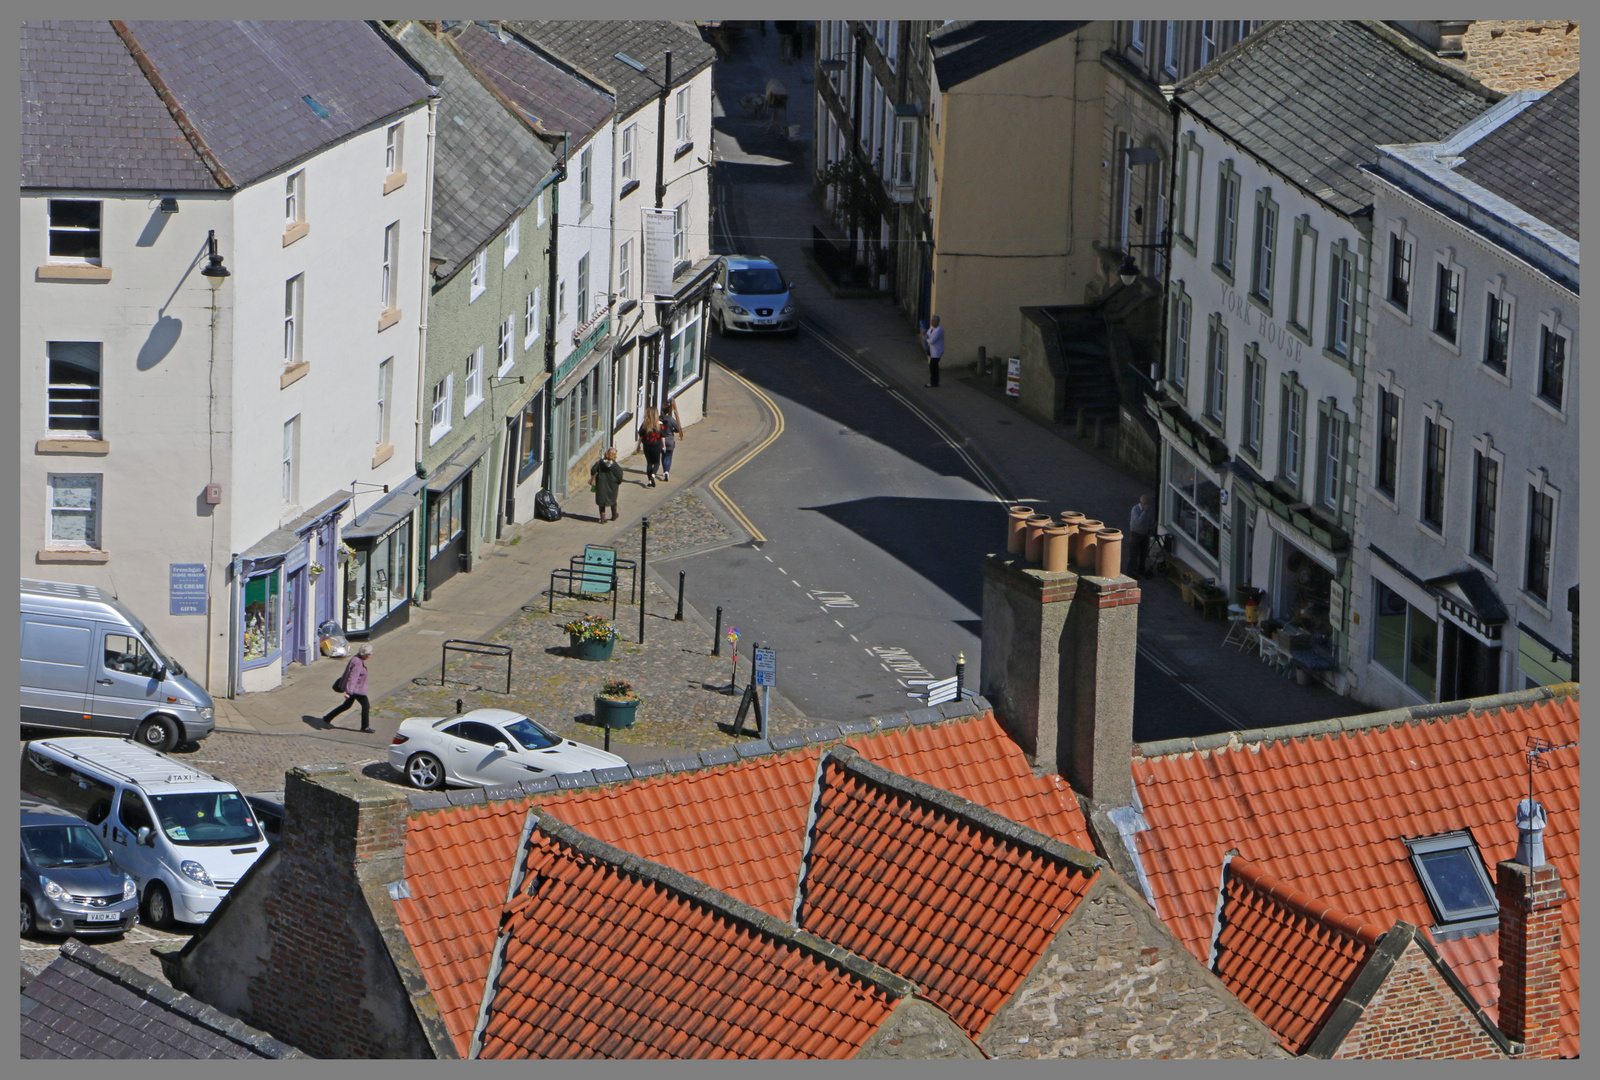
{"x": 919, "y": 1031}
{"x": 1115, "y": 984}
{"x": 1521, "y": 54}
{"x": 1416, "y": 1016}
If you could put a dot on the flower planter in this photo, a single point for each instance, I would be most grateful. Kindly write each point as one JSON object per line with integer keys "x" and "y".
{"x": 612, "y": 714}
{"x": 1186, "y": 435}
{"x": 590, "y": 648}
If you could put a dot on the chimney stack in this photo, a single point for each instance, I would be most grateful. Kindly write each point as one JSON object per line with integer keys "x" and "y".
{"x": 1530, "y": 896}
{"x": 1058, "y": 658}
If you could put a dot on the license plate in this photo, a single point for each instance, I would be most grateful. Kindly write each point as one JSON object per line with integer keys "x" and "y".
{"x": 763, "y": 322}
{"x": 104, "y": 916}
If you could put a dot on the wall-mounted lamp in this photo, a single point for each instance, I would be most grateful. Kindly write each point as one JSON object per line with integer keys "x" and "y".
{"x": 169, "y": 205}
{"x": 837, "y": 63}
{"x": 509, "y": 378}
{"x": 1128, "y": 272}
{"x": 213, "y": 271}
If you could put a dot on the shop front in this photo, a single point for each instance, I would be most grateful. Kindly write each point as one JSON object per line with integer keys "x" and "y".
{"x": 282, "y": 595}
{"x": 378, "y": 566}
{"x": 1442, "y": 639}
{"x": 580, "y": 415}
{"x": 1192, "y": 509}
{"x": 448, "y": 531}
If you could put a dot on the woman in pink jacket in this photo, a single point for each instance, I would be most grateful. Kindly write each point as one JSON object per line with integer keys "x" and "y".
{"x": 353, "y": 684}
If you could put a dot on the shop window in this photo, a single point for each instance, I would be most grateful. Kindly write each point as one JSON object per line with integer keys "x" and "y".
{"x": 261, "y": 618}
{"x": 1405, "y": 641}
{"x": 444, "y": 519}
{"x": 1305, "y": 591}
{"x": 683, "y": 353}
{"x": 584, "y": 406}
{"x": 532, "y": 437}
{"x": 378, "y": 579}
{"x": 1196, "y": 503}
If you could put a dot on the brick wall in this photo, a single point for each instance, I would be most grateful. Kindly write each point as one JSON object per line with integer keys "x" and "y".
{"x": 1416, "y": 1015}
{"x": 1521, "y": 54}
{"x": 1530, "y": 956}
{"x": 1115, "y": 984}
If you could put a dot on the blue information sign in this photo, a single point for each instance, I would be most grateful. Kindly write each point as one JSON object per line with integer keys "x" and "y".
{"x": 188, "y": 588}
{"x": 766, "y": 667}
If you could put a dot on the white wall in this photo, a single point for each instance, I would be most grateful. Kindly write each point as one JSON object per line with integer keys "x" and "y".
{"x": 589, "y": 235}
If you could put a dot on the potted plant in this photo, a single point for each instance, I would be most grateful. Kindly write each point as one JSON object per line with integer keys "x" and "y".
{"x": 592, "y": 638}
{"x": 616, "y": 705}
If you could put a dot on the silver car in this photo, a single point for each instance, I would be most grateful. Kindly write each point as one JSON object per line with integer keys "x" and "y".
{"x": 750, "y": 293}
{"x": 70, "y": 883}
{"x": 485, "y": 747}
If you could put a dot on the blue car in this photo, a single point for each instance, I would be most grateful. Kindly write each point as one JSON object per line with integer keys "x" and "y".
{"x": 70, "y": 883}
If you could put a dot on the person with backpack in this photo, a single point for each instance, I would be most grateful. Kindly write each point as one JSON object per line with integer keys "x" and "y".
{"x": 671, "y": 432}
{"x": 652, "y": 440}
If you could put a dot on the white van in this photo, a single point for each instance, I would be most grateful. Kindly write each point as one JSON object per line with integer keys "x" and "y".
{"x": 185, "y": 836}
{"x": 89, "y": 664}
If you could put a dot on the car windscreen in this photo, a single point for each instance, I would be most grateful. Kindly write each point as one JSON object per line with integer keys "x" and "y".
{"x": 531, "y": 735}
{"x": 163, "y": 657}
{"x": 206, "y": 819}
{"x": 52, "y": 846}
{"x": 760, "y": 281}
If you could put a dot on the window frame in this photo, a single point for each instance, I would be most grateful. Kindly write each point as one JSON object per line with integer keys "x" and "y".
{"x": 681, "y": 128}
{"x": 630, "y": 141}
{"x": 1341, "y": 330}
{"x": 1386, "y": 475}
{"x": 391, "y": 258}
{"x": 1487, "y": 912}
{"x": 1170, "y": 46}
{"x": 1253, "y": 393}
{"x": 1334, "y": 430}
{"x": 96, "y": 231}
{"x": 92, "y": 513}
{"x": 1402, "y": 252}
{"x": 1216, "y": 406}
{"x": 1264, "y": 249}
{"x": 290, "y": 489}
{"x": 1485, "y": 508}
{"x": 585, "y": 182}
{"x": 531, "y": 319}
{"x": 294, "y": 330}
{"x": 472, "y": 383}
{"x": 385, "y": 399}
{"x": 1553, "y": 332}
{"x": 512, "y": 241}
{"x": 294, "y": 198}
{"x": 1539, "y": 494}
{"x": 625, "y": 269}
{"x": 478, "y": 276}
{"x": 68, "y": 393}
{"x": 1446, "y": 272}
{"x": 1190, "y": 196}
{"x": 1303, "y": 279}
{"x": 1136, "y": 36}
{"x": 583, "y": 288}
{"x": 441, "y": 408}
{"x": 680, "y": 232}
{"x": 1499, "y": 314}
{"x": 1206, "y": 49}
{"x": 1293, "y": 399}
{"x": 394, "y": 148}
{"x": 1207, "y": 534}
{"x": 505, "y": 352}
{"x": 907, "y": 133}
{"x": 1409, "y": 636}
{"x": 1435, "y": 473}
{"x": 1182, "y": 332}
{"x": 1226, "y": 239}
{"x": 1122, "y": 192}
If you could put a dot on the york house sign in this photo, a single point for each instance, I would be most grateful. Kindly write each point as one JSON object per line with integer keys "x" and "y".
{"x": 1270, "y": 332}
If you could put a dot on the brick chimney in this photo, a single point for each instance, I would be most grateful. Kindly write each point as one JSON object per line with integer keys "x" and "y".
{"x": 1530, "y": 898}
{"x": 1058, "y": 652}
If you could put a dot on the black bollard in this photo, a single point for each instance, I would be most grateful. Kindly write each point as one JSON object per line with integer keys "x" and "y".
{"x": 644, "y": 580}
{"x": 961, "y": 672}
{"x": 716, "y": 635}
{"x": 458, "y": 706}
{"x": 679, "y": 616}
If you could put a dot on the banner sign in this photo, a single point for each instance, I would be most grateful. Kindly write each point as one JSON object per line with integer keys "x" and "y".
{"x": 658, "y": 260}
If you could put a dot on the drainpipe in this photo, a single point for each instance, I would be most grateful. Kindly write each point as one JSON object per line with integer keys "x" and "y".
{"x": 427, "y": 267}
{"x": 553, "y": 274}
{"x": 653, "y": 392}
{"x": 233, "y": 622}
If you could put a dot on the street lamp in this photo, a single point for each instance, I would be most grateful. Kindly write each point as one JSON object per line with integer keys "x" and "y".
{"x": 214, "y": 271}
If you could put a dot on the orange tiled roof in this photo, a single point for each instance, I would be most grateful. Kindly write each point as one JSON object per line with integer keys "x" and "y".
{"x": 603, "y": 961}
{"x": 960, "y": 901}
{"x": 1288, "y": 957}
{"x": 1330, "y": 813}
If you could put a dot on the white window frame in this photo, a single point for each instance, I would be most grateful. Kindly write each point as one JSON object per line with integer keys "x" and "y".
{"x": 1217, "y": 372}
{"x": 1433, "y": 420}
{"x": 1182, "y": 331}
{"x": 1446, "y": 261}
{"x": 69, "y": 394}
{"x": 1550, "y": 323}
{"x": 294, "y": 196}
{"x": 531, "y": 319}
{"x": 391, "y": 258}
{"x": 1264, "y": 263}
{"x": 583, "y": 288}
{"x": 893, "y": 45}
{"x": 1169, "y": 48}
{"x": 92, "y": 512}
{"x": 1507, "y": 305}
{"x": 561, "y": 300}
{"x": 1331, "y": 472}
{"x": 1538, "y": 483}
{"x": 1226, "y": 239}
{"x": 905, "y": 154}
{"x": 505, "y": 354}
{"x": 513, "y": 241}
{"x": 625, "y": 269}
{"x": 290, "y": 476}
{"x": 97, "y": 230}
{"x": 394, "y": 148}
{"x": 1255, "y": 412}
{"x": 1483, "y": 451}
{"x": 294, "y": 331}
{"x": 385, "y": 390}
{"x": 585, "y": 182}
{"x": 1341, "y": 300}
{"x": 473, "y": 384}
{"x": 1136, "y": 36}
{"x": 479, "y": 275}
{"x": 1122, "y": 210}
{"x": 440, "y": 410}
{"x": 630, "y": 142}
{"x": 1292, "y": 450}
{"x": 680, "y": 232}
{"x": 1208, "y": 41}
{"x": 680, "y": 121}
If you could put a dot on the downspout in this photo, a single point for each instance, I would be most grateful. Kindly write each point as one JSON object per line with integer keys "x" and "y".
{"x": 652, "y": 382}
{"x": 552, "y": 275}
{"x": 233, "y": 624}
{"x": 427, "y": 270}
{"x": 1166, "y": 252}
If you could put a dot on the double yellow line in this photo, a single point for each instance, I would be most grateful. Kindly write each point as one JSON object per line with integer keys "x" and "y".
{"x": 716, "y": 485}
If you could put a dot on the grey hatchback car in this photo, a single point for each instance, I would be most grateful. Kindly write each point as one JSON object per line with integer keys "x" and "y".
{"x": 70, "y": 884}
{"x": 751, "y": 293}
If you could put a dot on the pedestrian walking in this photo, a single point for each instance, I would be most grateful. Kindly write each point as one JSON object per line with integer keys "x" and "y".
{"x": 933, "y": 343}
{"x": 652, "y": 441}
{"x": 1141, "y": 524}
{"x": 671, "y": 432}
{"x": 353, "y": 685}
{"x": 605, "y": 478}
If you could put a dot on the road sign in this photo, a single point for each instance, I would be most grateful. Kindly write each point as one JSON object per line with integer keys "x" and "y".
{"x": 187, "y": 588}
{"x": 766, "y": 667}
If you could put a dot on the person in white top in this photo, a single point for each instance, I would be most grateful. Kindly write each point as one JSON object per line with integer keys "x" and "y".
{"x": 934, "y": 343}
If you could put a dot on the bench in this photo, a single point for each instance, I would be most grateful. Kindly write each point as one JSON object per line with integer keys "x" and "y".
{"x": 595, "y": 571}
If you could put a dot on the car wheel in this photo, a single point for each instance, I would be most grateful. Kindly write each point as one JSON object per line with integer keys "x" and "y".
{"x": 158, "y": 906}
{"x": 721, "y": 324}
{"x": 425, "y": 771}
{"x": 30, "y": 921}
{"x": 159, "y": 733}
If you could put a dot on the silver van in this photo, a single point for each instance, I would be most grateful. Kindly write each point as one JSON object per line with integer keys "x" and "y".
{"x": 89, "y": 664}
{"x": 185, "y": 836}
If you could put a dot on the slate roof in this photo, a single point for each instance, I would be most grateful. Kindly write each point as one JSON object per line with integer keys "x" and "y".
{"x": 548, "y": 95}
{"x": 591, "y": 47}
{"x": 959, "y": 900}
{"x": 85, "y": 1005}
{"x": 241, "y": 86}
{"x": 1313, "y": 98}
{"x": 965, "y": 49}
{"x": 1531, "y": 160}
{"x": 91, "y": 120}
{"x": 487, "y": 163}
{"x": 1288, "y": 957}
{"x": 740, "y": 828}
{"x": 1329, "y": 810}
{"x": 609, "y": 956}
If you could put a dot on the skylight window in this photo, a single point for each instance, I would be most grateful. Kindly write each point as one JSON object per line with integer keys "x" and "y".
{"x": 1453, "y": 874}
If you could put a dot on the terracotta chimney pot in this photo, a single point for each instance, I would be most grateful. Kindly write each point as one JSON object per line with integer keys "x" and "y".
{"x": 1108, "y": 553}
{"x": 1088, "y": 536}
{"x": 1017, "y": 519}
{"x": 1033, "y": 538}
{"x": 1056, "y": 539}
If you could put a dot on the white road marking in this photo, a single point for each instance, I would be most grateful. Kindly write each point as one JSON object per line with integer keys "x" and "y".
{"x": 855, "y": 639}
{"x": 767, "y": 557}
{"x": 781, "y": 570}
{"x": 839, "y": 624}
{"x": 795, "y": 583}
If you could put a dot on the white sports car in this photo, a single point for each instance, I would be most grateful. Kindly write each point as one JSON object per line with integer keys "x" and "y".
{"x": 485, "y": 747}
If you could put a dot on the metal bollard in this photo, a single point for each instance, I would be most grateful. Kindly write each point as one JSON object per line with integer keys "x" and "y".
{"x": 644, "y": 580}
{"x": 983, "y": 360}
{"x": 679, "y": 616}
{"x": 458, "y": 706}
{"x": 961, "y": 673}
{"x": 716, "y": 635}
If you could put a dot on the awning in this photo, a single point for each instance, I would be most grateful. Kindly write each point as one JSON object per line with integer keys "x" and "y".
{"x": 281, "y": 541}
{"x": 601, "y": 349}
{"x": 445, "y": 476}
{"x": 386, "y": 513}
{"x": 1469, "y": 598}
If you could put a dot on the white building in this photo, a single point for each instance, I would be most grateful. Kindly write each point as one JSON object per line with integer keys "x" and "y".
{"x": 194, "y": 442}
{"x": 1266, "y": 338}
{"x": 1467, "y": 534}
{"x": 647, "y": 366}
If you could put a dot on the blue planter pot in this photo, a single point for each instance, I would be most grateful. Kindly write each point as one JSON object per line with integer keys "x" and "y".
{"x": 613, "y": 714}
{"x": 592, "y": 650}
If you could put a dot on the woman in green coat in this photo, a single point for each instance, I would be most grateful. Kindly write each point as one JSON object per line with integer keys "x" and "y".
{"x": 607, "y": 476}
